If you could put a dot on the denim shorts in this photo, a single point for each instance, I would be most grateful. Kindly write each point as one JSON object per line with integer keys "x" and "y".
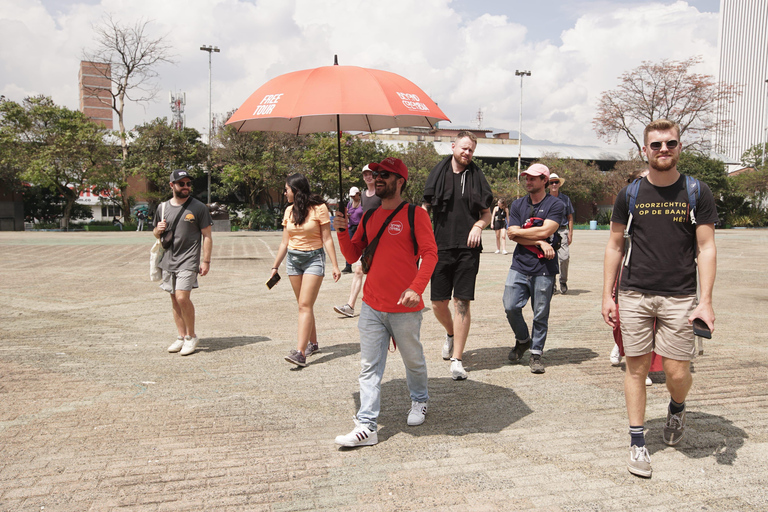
{"x": 298, "y": 263}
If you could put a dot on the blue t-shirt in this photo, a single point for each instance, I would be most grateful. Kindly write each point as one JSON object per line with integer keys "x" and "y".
{"x": 568, "y": 209}
{"x": 526, "y": 261}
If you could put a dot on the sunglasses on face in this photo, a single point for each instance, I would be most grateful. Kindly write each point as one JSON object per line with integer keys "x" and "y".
{"x": 671, "y": 144}
{"x": 385, "y": 174}
{"x": 184, "y": 183}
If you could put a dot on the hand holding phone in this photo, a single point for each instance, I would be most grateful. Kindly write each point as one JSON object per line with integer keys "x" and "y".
{"x": 273, "y": 280}
{"x": 701, "y": 329}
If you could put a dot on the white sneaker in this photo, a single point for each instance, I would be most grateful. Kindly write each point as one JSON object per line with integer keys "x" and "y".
{"x": 345, "y": 310}
{"x": 417, "y": 414}
{"x": 361, "y": 435}
{"x": 448, "y": 347}
{"x": 190, "y": 345}
{"x": 648, "y": 381}
{"x": 457, "y": 370}
{"x": 497, "y": 251}
{"x": 504, "y": 252}
{"x": 615, "y": 356}
{"x": 176, "y": 345}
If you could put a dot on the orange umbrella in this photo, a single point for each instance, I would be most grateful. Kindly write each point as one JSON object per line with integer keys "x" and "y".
{"x": 336, "y": 98}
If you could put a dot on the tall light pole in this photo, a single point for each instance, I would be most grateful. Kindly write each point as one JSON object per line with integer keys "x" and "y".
{"x": 210, "y": 49}
{"x": 765, "y": 126}
{"x": 521, "y": 74}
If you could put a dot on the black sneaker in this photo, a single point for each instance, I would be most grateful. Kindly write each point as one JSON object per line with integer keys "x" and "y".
{"x": 520, "y": 347}
{"x": 674, "y": 427}
{"x": 536, "y": 365}
{"x": 563, "y": 288}
{"x": 296, "y": 358}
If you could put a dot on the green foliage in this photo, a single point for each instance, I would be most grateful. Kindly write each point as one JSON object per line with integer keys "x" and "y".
{"x": 502, "y": 178}
{"x": 753, "y": 157}
{"x": 157, "y": 149}
{"x": 58, "y": 148}
{"x": 420, "y": 158}
{"x": 753, "y": 185}
{"x": 262, "y": 219}
{"x": 709, "y": 170}
{"x": 43, "y": 205}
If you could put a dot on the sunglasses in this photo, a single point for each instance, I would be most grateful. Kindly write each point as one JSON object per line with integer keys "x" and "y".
{"x": 671, "y": 144}
{"x": 184, "y": 183}
{"x": 385, "y": 174}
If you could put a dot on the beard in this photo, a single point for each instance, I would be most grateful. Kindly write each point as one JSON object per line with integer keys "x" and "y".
{"x": 663, "y": 166}
{"x": 388, "y": 190}
{"x": 182, "y": 193}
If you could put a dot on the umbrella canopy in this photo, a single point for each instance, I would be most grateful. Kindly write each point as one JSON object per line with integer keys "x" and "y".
{"x": 336, "y": 98}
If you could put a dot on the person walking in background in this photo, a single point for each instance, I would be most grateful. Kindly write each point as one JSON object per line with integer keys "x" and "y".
{"x": 191, "y": 223}
{"x": 460, "y": 198}
{"x": 140, "y": 218}
{"x": 392, "y": 302}
{"x": 369, "y": 201}
{"x": 306, "y": 231}
{"x": 565, "y": 230}
{"x": 354, "y": 214}
{"x": 670, "y": 239}
{"x": 533, "y": 223}
{"x": 499, "y": 216}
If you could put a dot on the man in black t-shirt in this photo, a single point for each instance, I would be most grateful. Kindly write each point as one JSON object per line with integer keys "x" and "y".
{"x": 657, "y": 294}
{"x": 181, "y": 262}
{"x": 460, "y": 199}
{"x": 533, "y": 223}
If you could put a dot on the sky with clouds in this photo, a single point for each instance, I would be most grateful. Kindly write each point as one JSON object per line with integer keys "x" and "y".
{"x": 462, "y": 53}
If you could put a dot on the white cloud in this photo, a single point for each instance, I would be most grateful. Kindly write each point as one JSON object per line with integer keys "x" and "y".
{"x": 462, "y": 63}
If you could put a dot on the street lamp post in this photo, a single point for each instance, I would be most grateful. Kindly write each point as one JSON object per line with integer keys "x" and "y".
{"x": 210, "y": 49}
{"x": 765, "y": 126}
{"x": 521, "y": 74}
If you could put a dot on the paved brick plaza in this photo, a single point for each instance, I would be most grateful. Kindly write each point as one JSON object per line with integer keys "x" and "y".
{"x": 96, "y": 415}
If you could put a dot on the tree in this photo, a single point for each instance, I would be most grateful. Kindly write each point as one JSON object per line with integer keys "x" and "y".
{"x": 157, "y": 149}
{"x": 709, "y": 170}
{"x": 11, "y": 147}
{"x": 753, "y": 157}
{"x": 502, "y": 178}
{"x": 60, "y": 149}
{"x": 664, "y": 90}
{"x": 132, "y": 56}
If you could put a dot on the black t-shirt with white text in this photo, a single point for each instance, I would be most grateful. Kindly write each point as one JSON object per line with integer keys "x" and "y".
{"x": 663, "y": 255}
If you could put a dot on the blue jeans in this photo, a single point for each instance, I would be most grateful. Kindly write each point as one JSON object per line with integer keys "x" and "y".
{"x": 518, "y": 288}
{"x": 376, "y": 328}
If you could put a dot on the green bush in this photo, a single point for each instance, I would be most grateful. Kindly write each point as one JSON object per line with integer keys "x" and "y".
{"x": 258, "y": 219}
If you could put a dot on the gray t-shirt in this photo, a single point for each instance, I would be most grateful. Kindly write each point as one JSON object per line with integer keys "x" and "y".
{"x": 187, "y": 238}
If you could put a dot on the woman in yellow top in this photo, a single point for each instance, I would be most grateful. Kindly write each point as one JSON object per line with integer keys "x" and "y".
{"x": 307, "y": 229}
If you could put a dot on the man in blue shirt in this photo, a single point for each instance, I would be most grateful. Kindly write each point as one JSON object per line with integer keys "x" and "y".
{"x": 533, "y": 223}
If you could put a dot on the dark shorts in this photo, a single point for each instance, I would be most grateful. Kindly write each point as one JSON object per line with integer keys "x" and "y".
{"x": 455, "y": 274}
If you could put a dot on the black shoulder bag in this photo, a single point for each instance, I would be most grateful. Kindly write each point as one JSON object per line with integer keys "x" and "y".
{"x": 166, "y": 239}
{"x": 366, "y": 260}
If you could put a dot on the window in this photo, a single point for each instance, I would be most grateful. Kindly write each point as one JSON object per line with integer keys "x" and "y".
{"x": 110, "y": 210}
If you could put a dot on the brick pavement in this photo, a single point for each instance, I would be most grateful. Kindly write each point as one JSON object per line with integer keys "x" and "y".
{"x": 97, "y": 416}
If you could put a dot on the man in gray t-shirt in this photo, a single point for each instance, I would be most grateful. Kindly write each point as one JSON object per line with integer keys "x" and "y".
{"x": 191, "y": 223}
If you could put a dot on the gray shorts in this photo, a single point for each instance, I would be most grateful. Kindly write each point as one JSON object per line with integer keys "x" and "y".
{"x": 298, "y": 263}
{"x": 184, "y": 280}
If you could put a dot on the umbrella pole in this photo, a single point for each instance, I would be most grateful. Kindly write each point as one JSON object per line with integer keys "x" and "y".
{"x": 341, "y": 207}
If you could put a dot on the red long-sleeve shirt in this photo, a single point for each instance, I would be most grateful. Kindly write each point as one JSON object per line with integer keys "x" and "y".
{"x": 394, "y": 267}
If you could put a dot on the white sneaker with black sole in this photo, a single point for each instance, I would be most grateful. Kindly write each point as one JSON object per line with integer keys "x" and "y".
{"x": 417, "y": 414}
{"x": 361, "y": 435}
{"x": 457, "y": 370}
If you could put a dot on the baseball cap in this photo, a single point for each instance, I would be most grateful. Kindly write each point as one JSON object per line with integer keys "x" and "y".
{"x": 392, "y": 165}
{"x": 555, "y": 177}
{"x": 353, "y": 191}
{"x": 537, "y": 170}
{"x": 177, "y": 174}
{"x": 366, "y": 168}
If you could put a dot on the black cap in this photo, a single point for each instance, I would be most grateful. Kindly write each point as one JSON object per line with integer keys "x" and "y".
{"x": 177, "y": 174}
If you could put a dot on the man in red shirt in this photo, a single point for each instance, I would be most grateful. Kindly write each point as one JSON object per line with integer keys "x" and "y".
{"x": 392, "y": 301}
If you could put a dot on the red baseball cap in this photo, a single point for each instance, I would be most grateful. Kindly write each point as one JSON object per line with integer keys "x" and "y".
{"x": 392, "y": 165}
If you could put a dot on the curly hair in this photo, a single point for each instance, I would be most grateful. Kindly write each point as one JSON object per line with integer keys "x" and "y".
{"x": 303, "y": 199}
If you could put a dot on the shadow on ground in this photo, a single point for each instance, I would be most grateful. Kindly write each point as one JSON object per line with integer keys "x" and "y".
{"x": 488, "y": 408}
{"x": 216, "y": 344}
{"x": 493, "y": 358}
{"x": 706, "y": 435}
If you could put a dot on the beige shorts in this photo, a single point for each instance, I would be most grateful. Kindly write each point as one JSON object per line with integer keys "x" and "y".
{"x": 658, "y": 323}
{"x": 184, "y": 280}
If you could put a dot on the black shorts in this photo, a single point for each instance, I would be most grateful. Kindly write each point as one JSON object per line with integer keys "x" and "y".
{"x": 455, "y": 273}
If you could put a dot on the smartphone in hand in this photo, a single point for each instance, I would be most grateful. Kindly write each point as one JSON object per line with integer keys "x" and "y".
{"x": 700, "y": 329}
{"x": 273, "y": 280}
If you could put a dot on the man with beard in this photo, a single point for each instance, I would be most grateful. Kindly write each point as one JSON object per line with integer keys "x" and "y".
{"x": 190, "y": 220}
{"x": 657, "y": 294}
{"x": 460, "y": 199}
{"x": 392, "y": 300}
{"x": 533, "y": 223}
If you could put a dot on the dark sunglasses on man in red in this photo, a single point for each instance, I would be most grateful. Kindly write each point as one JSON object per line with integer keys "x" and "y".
{"x": 385, "y": 174}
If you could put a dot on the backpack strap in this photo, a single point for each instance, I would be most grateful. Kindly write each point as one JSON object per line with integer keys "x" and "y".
{"x": 411, "y": 216}
{"x": 693, "y": 187}
{"x": 631, "y": 198}
{"x": 366, "y": 216}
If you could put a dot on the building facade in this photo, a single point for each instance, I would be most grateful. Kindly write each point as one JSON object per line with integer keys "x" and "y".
{"x": 743, "y": 47}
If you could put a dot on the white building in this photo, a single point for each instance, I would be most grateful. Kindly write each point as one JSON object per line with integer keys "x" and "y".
{"x": 743, "y": 47}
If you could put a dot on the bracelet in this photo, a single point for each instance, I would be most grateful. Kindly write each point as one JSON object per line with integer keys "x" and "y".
{"x": 207, "y": 261}
{"x": 275, "y": 268}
